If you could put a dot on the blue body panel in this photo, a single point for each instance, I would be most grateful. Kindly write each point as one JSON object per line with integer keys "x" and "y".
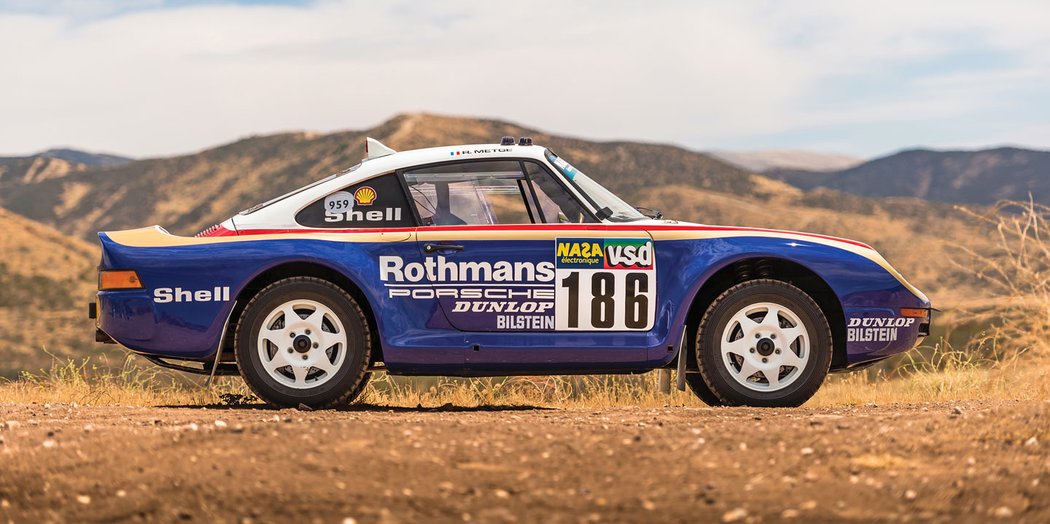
{"x": 417, "y": 336}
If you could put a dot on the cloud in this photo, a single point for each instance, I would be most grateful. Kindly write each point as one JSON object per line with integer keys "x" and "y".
{"x": 149, "y": 78}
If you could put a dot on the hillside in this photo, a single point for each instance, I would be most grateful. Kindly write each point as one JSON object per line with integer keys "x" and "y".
{"x": 793, "y": 159}
{"x": 53, "y": 163}
{"x": 189, "y": 193}
{"x": 85, "y": 157}
{"x": 965, "y": 177}
{"x": 18, "y": 171}
{"x": 46, "y": 279}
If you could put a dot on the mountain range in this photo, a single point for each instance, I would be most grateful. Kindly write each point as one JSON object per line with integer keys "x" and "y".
{"x": 760, "y": 161}
{"x": 73, "y": 156}
{"x": 16, "y": 171}
{"x": 982, "y": 177}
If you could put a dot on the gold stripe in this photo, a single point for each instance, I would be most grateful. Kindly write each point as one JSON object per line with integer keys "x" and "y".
{"x": 156, "y": 237}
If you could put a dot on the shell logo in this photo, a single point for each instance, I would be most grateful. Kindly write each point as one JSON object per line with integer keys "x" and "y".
{"x": 365, "y": 196}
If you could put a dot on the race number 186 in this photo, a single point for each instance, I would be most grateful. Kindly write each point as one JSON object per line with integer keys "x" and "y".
{"x": 590, "y": 300}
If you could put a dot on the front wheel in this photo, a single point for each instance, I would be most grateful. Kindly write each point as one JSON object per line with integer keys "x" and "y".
{"x": 303, "y": 341}
{"x": 764, "y": 343}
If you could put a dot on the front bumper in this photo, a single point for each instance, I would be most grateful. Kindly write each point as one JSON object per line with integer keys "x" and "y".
{"x": 874, "y": 333}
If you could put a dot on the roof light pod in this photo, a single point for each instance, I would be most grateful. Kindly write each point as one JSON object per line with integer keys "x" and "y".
{"x": 507, "y": 141}
{"x": 525, "y": 141}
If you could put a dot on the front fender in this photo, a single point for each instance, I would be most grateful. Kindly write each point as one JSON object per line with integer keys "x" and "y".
{"x": 864, "y": 284}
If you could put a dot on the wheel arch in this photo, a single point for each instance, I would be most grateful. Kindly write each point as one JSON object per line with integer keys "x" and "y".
{"x": 304, "y": 269}
{"x": 751, "y": 268}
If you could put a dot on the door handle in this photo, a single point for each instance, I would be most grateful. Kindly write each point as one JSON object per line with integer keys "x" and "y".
{"x": 430, "y": 248}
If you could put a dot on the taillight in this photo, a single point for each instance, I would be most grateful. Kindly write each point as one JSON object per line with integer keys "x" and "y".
{"x": 122, "y": 279}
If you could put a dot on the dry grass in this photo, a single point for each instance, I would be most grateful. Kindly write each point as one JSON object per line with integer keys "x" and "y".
{"x": 89, "y": 384}
{"x": 1019, "y": 270}
{"x": 100, "y": 383}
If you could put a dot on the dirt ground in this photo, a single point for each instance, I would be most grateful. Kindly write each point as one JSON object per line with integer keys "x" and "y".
{"x": 936, "y": 462}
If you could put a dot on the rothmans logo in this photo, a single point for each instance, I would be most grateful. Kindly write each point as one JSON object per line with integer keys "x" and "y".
{"x": 438, "y": 269}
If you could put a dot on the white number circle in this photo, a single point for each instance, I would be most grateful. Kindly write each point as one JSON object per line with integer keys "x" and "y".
{"x": 339, "y": 201}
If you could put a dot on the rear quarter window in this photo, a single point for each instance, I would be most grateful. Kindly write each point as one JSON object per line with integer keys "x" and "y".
{"x": 375, "y": 203}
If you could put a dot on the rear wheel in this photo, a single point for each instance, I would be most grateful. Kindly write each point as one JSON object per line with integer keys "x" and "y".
{"x": 303, "y": 341}
{"x": 764, "y": 343}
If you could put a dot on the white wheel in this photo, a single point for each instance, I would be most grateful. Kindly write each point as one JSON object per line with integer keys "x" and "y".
{"x": 763, "y": 343}
{"x": 765, "y": 347}
{"x": 301, "y": 344}
{"x": 303, "y": 340}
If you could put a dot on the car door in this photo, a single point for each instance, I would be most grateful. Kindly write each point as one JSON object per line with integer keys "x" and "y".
{"x": 506, "y": 248}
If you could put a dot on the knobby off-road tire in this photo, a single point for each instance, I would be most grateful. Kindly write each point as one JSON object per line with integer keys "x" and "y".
{"x": 763, "y": 343}
{"x": 305, "y": 341}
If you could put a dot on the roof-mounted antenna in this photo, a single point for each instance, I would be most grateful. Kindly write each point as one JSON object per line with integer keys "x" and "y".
{"x": 376, "y": 149}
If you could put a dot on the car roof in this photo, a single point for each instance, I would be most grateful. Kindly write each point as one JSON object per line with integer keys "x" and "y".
{"x": 404, "y": 159}
{"x": 280, "y": 211}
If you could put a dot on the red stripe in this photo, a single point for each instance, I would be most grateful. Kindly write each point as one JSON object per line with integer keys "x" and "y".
{"x": 549, "y": 227}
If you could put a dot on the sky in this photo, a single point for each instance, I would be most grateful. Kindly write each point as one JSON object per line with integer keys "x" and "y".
{"x": 153, "y": 77}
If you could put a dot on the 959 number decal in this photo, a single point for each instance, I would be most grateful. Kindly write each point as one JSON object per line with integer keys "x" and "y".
{"x": 605, "y": 284}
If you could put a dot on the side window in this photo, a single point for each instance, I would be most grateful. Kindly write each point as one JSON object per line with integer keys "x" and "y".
{"x": 557, "y": 204}
{"x": 474, "y": 193}
{"x": 376, "y": 202}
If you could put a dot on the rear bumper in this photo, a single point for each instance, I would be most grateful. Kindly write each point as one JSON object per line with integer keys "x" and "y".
{"x": 183, "y": 330}
{"x": 100, "y": 336}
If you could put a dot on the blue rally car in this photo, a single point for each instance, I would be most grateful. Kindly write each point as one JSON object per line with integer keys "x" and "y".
{"x": 500, "y": 259}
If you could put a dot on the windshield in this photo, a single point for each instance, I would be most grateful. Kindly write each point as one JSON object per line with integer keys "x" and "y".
{"x": 257, "y": 207}
{"x": 608, "y": 206}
